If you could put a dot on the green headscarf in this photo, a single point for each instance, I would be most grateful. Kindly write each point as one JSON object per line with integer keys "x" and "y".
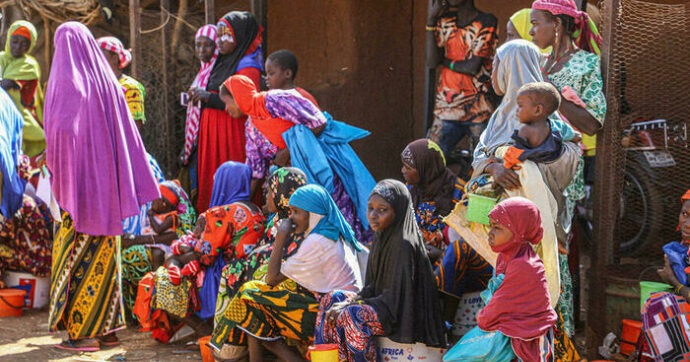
{"x": 25, "y": 68}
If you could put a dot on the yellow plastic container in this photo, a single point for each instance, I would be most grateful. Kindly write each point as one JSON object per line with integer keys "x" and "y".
{"x": 323, "y": 353}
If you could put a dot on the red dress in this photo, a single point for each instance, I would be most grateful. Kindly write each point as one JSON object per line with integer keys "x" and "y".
{"x": 221, "y": 139}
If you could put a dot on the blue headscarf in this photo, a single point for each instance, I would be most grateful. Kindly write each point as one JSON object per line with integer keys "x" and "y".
{"x": 11, "y": 122}
{"x": 231, "y": 183}
{"x": 315, "y": 199}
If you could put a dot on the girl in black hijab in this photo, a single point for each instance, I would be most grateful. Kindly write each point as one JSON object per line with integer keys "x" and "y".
{"x": 222, "y": 137}
{"x": 399, "y": 299}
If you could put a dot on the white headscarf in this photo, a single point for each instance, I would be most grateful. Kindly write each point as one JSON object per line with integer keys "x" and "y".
{"x": 519, "y": 64}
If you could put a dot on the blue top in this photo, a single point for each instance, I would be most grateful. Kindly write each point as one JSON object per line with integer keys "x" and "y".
{"x": 11, "y": 123}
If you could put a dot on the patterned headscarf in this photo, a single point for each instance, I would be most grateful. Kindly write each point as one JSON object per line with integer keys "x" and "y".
{"x": 437, "y": 182}
{"x": 114, "y": 45}
{"x": 586, "y": 34}
{"x": 191, "y": 128}
{"x": 283, "y": 183}
{"x": 685, "y": 197}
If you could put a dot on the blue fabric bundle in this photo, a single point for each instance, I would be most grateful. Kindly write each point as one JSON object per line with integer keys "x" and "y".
{"x": 677, "y": 254}
{"x": 11, "y": 123}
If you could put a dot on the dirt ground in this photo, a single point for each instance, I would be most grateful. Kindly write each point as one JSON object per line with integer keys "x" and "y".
{"x": 26, "y": 338}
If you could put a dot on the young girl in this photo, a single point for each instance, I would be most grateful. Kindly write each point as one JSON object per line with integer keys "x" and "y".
{"x": 284, "y": 305}
{"x": 399, "y": 298}
{"x": 521, "y": 306}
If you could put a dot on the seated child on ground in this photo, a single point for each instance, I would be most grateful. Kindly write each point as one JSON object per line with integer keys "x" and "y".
{"x": 535, "y": 140}
{"x": 171, "y": 214}
{"x": 520, "y": 307}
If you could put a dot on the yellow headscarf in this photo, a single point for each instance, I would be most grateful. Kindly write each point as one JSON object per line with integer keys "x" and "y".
{"x": 523, "y": 25}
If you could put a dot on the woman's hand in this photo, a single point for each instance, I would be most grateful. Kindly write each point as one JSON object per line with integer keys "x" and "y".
{"x": 8, "y": 84}
{"x": 285, "y": 228}
{"x": 504, "y": 177}
{"x": 198, "y": 95}
{"x": 333, "y": 313}
{"x": 433, "y": 9}
{"x": 667, "y": 273}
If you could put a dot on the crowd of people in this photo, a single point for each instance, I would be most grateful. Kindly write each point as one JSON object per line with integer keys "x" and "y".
{"x": 278, "y": 237}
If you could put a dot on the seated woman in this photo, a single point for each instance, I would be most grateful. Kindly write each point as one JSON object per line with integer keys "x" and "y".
{"x": 284, "y": 306}
{"x": 399, "y": 298}
{"x": 25, "y": 237}
{"x": 664, "y": 315}
{"x": 281, "y": 185}
{"x": 317, "y": 145}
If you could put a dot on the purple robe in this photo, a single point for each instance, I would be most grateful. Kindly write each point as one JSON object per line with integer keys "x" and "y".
{"x": 100, "y": 174}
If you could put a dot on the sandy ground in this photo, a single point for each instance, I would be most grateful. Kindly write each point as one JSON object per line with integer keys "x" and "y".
{"x": 26, "y": 338}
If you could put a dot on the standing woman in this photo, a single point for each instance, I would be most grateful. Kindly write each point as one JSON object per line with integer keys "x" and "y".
{"x": 93, "y": 148}
{"x": 462, "y": 40}
{"x": 21, "y": 78}
{"x": 207, "y": 52}
{"x": 222, "y": 136}
{"x": 119, "y": 58}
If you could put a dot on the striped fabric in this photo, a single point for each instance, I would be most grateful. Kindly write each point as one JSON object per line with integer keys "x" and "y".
{"x": 665, "y": 325}
{"x": 114, "y": 45}
{"x": 191, "y": 129}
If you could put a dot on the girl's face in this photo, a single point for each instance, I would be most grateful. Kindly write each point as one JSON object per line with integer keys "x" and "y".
{"x": 226, "y": 40}
{"x": 410, "y": 174}
{"x": 230, "y": 105}
{"x": 684, "y": 221}
{"x": 494, "y": 76}
{"x": 205, "y": 48}
{"x": 511, "y": 32}
{"x": 300, "y": 218}
{"x": 499, "y": 234}
{"x": 19, "y": 45}
{"x": 379, "y": 213}
{"x": 270, "y": 203}
{"x": 199, "y": 228}
{"x": 160, "y": 206}
{"x": 543, "y": 30}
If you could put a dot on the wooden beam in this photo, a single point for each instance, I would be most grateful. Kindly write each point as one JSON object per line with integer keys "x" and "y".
{"x": 209, "y": 11}
{"x": 608, "y": 166}
{"x": 135, "y": 36}
{"x": 260, "y": 10}
{"x": 47, "y": 45}
{"x": 168, "y": 125}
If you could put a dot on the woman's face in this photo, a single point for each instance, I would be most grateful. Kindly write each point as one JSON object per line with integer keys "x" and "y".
{"x": 113, "y": 59}
{"x": 684, "y": 221}
{"x": 270, "y": 203}
{"x": 511, "y": 32}
{"x": 300, "y": 218}
{"x": 494, "y": 77}
{"x": 499, "y": 234}
{"x": 205, "y": 48}
{"x": 410, "y": 174}
{"x": 379, "y": 213}
{"x": 230, "y": 105}
{"x": 543, "y": 30}
{"x": 19, "y": 45}
{"x": 226, "y": 40}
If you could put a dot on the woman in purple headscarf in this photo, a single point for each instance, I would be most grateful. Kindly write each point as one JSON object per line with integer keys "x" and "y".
{"x": 93, "y": 148}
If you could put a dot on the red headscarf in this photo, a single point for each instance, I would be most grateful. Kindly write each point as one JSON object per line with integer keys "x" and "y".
{"x": 685, "y": 197}
{"x": 521, "y": 307}
{"x": 586, "y": 34}
{"x": 253, "y": 103}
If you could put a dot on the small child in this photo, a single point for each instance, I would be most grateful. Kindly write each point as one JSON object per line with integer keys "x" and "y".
{"x": 184, "y": 260}
{"x": 520, "y": 307}
{"x": 535, "y": 140}
{"x": 281, "y": 70}
{"x": 163, "y": 214}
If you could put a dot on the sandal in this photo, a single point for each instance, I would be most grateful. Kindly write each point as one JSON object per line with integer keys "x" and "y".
{"x": 109, "y": 340}
{"x": 73, "y": 345}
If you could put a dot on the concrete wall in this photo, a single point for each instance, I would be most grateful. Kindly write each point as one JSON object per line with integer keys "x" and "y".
{"x": 364, "y": 63}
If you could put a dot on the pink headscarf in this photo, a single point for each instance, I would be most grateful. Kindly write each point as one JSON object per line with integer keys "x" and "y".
{"x": 586, "y": 34}
{"x": 521, "y": 307}
{"x": 191, "y": 129}
{"x": 114, "y": 45}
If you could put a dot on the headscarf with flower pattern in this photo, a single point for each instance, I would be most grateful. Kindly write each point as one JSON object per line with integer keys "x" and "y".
{"x": 283, "y": 182}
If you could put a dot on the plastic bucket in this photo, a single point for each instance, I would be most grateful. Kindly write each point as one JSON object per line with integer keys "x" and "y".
{"x": 11, "y": 302}
{"x": 206, "y": 355}
{"x": 38, "y": 295}
{"x": 323, "y": 353}
{"x": 479, "y": 207}
{"x": 630, "y": 333}
{"x": 647, "y": 288}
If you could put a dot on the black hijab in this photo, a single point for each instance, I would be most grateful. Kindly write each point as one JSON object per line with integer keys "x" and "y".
{"x": 399, "y": 282}
{"x": 437, "y": 182}
{"x": 245, "y": 29}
